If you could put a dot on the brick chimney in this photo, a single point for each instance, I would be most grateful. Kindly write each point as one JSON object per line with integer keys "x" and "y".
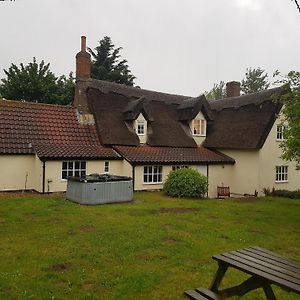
{"x": 83, "y": 62}
{"x": 83, "y": 75}
{"x": 233, "y": 89}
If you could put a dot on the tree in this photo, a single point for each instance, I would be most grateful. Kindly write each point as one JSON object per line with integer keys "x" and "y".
{"x": 291, "y": 112}
{"x": 297, "y": 4}
{"x": 255, "y": 80}
{"x": 35, "y": 82}
{"x": 107, "y": 65}
{"x": 217, "y": 92}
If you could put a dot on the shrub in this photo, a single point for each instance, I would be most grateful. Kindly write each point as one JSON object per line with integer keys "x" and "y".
{"x": 282, "y": 193}
{"x": 186, "y": 182}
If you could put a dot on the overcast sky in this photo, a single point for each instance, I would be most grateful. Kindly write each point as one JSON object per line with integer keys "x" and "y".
{"x": 181, "y": 47}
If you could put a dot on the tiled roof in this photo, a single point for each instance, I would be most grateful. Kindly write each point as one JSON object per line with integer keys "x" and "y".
{"x": 74, "y": 152}
{"x": 147, "y": 154}
{"x": 23, "y": 125}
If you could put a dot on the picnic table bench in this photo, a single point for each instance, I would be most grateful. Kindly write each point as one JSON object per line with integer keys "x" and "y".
{"x": 265, "y": 267}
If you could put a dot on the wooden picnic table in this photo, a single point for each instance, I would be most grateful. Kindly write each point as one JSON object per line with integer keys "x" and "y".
{"x": 265, "y": 267}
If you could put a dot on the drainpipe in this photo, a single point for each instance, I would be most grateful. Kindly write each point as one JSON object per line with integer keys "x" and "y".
{"x": 133, "y": 176}
{"x": 44, "y": 176}
{"x": 207, "y": 168}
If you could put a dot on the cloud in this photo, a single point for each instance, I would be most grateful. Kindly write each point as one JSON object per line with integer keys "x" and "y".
{"x": 249, "y": 4}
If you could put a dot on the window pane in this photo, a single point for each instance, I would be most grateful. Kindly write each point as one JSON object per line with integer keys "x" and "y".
{"x": 64, "y": 165}
{"x": 70, "y": 172}
{"x": 83, "y": 165}
{"x": 64, "y": 175}
{"x": 70, "y": 165}
{"x": 77, "y": 165}
{"x": 77, "y": 174}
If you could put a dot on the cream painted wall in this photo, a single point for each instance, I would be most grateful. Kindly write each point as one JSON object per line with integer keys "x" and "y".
{"x": 198, "y": 139}
{"x": 143, "y": 138}
{"x": 244, "y": 178}
{"x": 219, "y": 175}
{"x": 139, "y": 184}
{"x": 269, "y": 158}
{"x": 54, "y": 183}
{"x": 18, "y": 172}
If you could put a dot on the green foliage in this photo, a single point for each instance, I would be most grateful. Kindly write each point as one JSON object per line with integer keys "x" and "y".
{"x": 186, "y": 182}
{"x": 291, "y": 111}
{"x": 217, "y": 92}
{"x": 283, "y": 193}
{"x": 35, "y": 82}
{"x": 255, "y": 80}
{"x": 107, "y": 65}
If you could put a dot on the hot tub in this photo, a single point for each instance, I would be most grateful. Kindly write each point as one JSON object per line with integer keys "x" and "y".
{"x": 99, "y": 189}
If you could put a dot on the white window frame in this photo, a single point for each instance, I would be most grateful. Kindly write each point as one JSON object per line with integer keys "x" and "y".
{"x": 153, "y": 174}
{"x": 106, "y": 167}
{"x": 281, "y": 174}
{"x": 280, "y": 132}
{"x": 201, "y": 130}
{"x": 176, "y": 167}
{"x": 70, "y": 167}
{"x": 143, "y": 127}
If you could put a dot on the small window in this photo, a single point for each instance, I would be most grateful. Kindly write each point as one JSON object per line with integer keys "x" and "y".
{"x": 106, "y": 167}
{"x": 280, "y": 132}
{"x": 140, "y": 127}
{"x": 152, "y": 174}
{"x": 73, "y": 168}
{"x": 199, "y": 127}
{"x": 281, "y": 174}
{"x": 179, "y": 167}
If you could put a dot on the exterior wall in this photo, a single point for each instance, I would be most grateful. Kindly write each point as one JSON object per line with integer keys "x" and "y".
{"x": 18, "y": 172}
{"x": 244, "y": 177}
{"x": 54, "y": 182}
{"x": 219, "y": 175}
{"x": 139, "y": 184}
{"x": 198, "y": 139}
{"x": 269, "y": 158}
{"x": 143, "y": 138}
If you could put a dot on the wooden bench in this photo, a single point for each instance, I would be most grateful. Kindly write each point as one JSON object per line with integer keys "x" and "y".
{"x": 223, "y": 191}
{"x": 265, "y": 268}
{"x": 202, "y": 294}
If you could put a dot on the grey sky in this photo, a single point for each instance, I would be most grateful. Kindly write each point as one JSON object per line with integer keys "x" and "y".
{"x": 173, "y": 46}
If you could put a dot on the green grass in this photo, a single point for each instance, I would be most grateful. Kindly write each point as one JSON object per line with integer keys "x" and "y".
{"x": 153, "y": 248}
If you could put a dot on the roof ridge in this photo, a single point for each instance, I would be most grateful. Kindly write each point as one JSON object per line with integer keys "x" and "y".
{"x": 21, "y": 102}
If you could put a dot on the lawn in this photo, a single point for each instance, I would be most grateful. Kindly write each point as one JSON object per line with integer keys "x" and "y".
{"x": 153, "y": 248}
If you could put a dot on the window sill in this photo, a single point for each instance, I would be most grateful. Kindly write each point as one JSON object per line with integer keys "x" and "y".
{"x": 283, "y": 181}
{"x": 199, "y": 135}
{"x": 152, "y": 183}
{"x": 280, "y": 140}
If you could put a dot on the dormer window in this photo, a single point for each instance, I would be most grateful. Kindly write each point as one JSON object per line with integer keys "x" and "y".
{"x": 140, "y": 127}
{"x": 199, "y": 127}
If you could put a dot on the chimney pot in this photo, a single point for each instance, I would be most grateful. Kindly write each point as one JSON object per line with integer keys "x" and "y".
{"x": 83, "y": 43}
{"x": 233, "y": 89}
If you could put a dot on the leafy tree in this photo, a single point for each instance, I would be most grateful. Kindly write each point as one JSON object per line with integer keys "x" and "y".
{"x": 291, "y": 112}
{"x": 217, "y": 92}
{"x": 35, "y": 82}
{"x": 107, "y": 65}
{"x": 255, "y": 80}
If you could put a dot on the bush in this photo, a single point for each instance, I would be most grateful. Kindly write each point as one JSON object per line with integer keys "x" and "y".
{"x": 186, "y": 182}
{"x": 282, "y": 193}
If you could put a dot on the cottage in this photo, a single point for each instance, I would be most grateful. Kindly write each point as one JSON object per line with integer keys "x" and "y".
{"x": 122, "y": 130}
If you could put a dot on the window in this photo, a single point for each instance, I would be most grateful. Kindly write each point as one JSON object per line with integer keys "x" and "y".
{"x": 199, "y": 127}
{"x": 281, "y": 173}
{"x": 178, "y": 167}
{"x": 140, "y": 127}
{"x": 280, "y": 132}
{"x": 152, "y": 174}
{"x": 73, "y": 168}
{"x": 106, "y": 167}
